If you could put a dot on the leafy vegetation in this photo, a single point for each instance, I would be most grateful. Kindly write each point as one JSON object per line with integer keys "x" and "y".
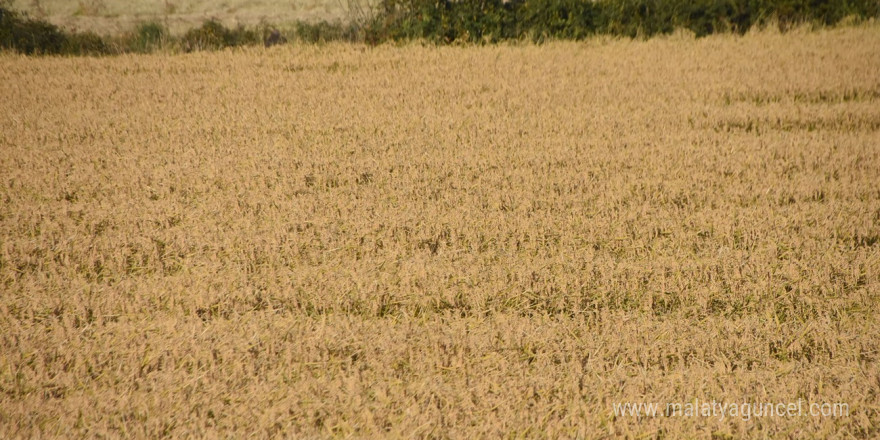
{"x": 29, "y": 36}
{"x": 446, "y": 21}
{"x": 212, "y": 35}
{"x": 324, "y": 31}
{"x": 493, "y": 20}
{"x": 149, "y": 37}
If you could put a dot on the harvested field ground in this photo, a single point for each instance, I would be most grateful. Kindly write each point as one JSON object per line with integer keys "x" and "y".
{"x": 344, "y": 241}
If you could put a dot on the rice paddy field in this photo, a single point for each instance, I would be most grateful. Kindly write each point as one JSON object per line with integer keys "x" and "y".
{"x": 412, "y": 241}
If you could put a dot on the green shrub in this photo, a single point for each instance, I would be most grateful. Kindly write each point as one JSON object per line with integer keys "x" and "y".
{"x": 31, "y": 36}
{"x": 85, "y": 43}
{"x": 491, "y": 20}
{"x": 571, "y": 19}
{"x": 324, "y": 31}
{"x": 212, "y": 35}
{"x": 446, "y": 21}
{"x": 28, "y": 36}
{"x": 148, "y": 37}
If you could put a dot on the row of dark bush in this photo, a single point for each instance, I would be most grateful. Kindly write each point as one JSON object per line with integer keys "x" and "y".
{"x": 33, "y": 36}
{"x": 495, "y": 20}
{"x": 446, "y": 21}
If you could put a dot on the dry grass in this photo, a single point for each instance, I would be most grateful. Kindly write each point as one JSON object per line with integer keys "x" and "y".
{"x": 442, "y": 242}
{"x": 113, "y": 17}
